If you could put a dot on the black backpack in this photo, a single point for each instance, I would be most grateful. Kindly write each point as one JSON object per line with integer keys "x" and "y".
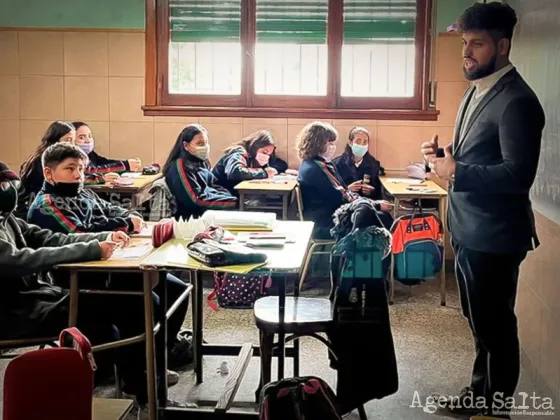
{"x": 302, "y": 398}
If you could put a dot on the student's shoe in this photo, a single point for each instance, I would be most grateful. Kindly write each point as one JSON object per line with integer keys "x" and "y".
{"x": 463, "y": 404}
{"x": 172, "y": 378}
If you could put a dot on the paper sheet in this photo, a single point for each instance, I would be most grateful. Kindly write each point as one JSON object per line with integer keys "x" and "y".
{"x": 145, "y": 233}
{"x": 132, "y": 175}
{"x": 410, "y": 181}
{"x": 133, "y": 252}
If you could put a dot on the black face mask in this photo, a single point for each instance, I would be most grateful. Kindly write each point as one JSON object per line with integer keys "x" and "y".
{"x": 8, "y": 196}
{"x": 68, "y": 189}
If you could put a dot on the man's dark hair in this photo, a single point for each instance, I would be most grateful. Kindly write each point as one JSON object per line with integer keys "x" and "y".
{"x": 59, "y": 152}
{"x": 498, "y": 19}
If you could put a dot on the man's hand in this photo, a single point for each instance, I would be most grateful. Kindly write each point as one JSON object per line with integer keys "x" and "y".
{"x": 121, "y": 238}
{"x": 384, "y": 205}
{"x": 138, "y": 223}
{"x": 107, "y": 249}
{"x": 355, "y": 186}
{"x": 367, "y": 189}
{"x": 444, "y": 167}
{"x": 271, "y": 172}
{"x": 429, "y": 148}
{"x": 135, "y": 165}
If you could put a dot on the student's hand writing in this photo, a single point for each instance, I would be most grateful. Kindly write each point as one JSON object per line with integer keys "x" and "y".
{"x": 384, "y": 205}
{"x": 429, "y": 148}
{"x": 271, "y": 172}
{"x": 367, "y": 189}
{"x": 107, "y": 249}
{"x": 135, "y": 165}
{"x": 120, "y": 238}
{"x": 138, "y": 223}
{"x": 355, "y": 186}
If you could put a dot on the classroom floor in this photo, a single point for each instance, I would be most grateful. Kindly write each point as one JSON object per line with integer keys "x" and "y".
{"x": 433, "y": 345}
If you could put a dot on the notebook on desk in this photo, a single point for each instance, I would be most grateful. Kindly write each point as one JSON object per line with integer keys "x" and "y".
{"x": 240, "y": 220}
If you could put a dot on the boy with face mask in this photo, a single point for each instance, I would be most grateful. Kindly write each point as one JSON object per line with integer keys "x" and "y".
{"x": 63, "y": 205}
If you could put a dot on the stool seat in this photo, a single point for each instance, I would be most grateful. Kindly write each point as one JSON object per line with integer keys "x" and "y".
{"x": 301, "y": 314}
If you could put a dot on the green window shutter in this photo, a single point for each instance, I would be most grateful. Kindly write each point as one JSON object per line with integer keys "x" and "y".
{"x": 204, "y": 20}
{"x": 292, "y": 22}
{"x": 376, "y": 21}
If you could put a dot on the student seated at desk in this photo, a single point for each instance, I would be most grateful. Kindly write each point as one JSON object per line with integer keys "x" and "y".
{"x": 31, "y": 171}
{"x": 30, "y": 307}
{"x": 246, "y": 160}
{"x": 323, "y": 190}
{"x": 64, "y": 205}
{"x": 188, "y": 176}
{"x": 100, "y": 164}
{"x": 357, "y": 164}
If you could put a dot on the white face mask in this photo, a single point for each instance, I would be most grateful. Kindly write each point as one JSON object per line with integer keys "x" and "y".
{"x": 262, "y": 158}
{"x": 202, "y": 152}
{"x": 331, "y": 149}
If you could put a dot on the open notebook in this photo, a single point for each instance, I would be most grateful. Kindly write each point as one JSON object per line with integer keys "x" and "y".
{"x": 240, "y": 220}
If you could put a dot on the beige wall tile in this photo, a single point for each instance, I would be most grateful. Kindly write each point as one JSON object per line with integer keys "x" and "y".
{"x": 9, "y": 97}
{"x": 303, "y": 121}
{"x": 293, "y": 130}
{"x": 449, "y": 59}
{"x": 448, "y": 99}
{"x": 31, "y": 133}
{"x": 41, "y": 97}
{"x": 86, "y": 98}
{"x": 220, "y": 120}
{"x": 445, "y": 135}
{"x": 179, "y": 120}
{"x": 264, "y": 123}
{"x": 221, "y": 136}
{"x": 529, "y": 309}
{"x": 101, "y": 135}
{"x": 10, "y": 143}
{"x": 397, "y": 146}
{"x": 550, "y": 349}
{"x": 165, "y": 136}
{"x": 126, "y": 54}
{"x": 41, "y": 53}
{"x": 132, "y": 140}
{"x": 279, "y": 132}
{"x": 352, "y": 123}
{"x": 126, "y": 97}
{"x": 85, "y": 54}
{"x": 9, "y": 64}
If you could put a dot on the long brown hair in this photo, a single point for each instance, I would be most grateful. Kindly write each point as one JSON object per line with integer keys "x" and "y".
{"x": 254, "y": 142}
{"x": 311, "y": 140}
{"x": 53, "y": 134}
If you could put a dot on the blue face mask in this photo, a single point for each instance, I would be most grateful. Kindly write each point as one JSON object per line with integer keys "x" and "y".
{"x": 359, "y": 150}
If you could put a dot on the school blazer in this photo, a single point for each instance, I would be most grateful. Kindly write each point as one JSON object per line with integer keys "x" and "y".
{"x": 497, "y": 157}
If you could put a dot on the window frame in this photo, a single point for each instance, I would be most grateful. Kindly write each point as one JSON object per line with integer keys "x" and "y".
{"x": 159, "y": 102}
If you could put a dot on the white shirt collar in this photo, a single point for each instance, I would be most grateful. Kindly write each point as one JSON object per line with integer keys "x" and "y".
{"x": 486, "y": 83}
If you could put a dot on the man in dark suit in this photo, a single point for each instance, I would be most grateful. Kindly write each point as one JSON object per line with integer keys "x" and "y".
{"x": 491, "y": 165}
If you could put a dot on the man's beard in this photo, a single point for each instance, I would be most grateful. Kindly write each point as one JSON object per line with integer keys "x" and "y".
{"x": 481, "y": 71}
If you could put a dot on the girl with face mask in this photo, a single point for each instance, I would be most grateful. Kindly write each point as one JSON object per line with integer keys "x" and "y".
{"x": 188, "y": 176}
{"x": 249, "y": 159}
{"x": 99, "y": 164}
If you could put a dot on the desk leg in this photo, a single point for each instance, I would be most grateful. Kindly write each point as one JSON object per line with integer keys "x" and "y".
{"x": 198, "y": 323}
{"x": 392, "y": 266}
{"x": 241, "y": 201}
{"x": 150, "y": 357}
{"x": 161, "y": 341}
{"x": 443, "y": 274}
{"x": 285, "y": 203}
{"x": 281, "y": 333}
{"x": 73, "y": 312}
{"x": 296, "y": 341}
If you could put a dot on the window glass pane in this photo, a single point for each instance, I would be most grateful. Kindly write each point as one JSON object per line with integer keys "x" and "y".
{"x": 378, "y": 52}
{"x": 205, "y": 47}
{"x": 291, "y": 48}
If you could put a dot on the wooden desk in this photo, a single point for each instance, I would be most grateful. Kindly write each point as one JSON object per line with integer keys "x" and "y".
{"x": 138, "y": 191}
{"x": 267, "y": 187}
{"x": 110, "y": 409}
{"x": 401, "y": 189}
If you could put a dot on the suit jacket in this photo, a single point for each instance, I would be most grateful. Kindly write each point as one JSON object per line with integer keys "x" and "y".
{"x": 497, "y": 158}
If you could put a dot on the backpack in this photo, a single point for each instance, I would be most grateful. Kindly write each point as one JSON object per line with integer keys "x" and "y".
{"x": 238, "y": 291}
{"x": 417, "y": 247}
{"x": 302, "y": 398}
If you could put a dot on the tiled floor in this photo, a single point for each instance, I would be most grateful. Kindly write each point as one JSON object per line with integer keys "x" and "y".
{"x": 433, "y": 344}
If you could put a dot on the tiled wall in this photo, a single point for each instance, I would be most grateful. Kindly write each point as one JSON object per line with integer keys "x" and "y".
{"x": 97, "y": 77}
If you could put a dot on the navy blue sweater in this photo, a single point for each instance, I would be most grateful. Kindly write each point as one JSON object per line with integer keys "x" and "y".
{"x": 195, "y": 188}
{"x": 350, "y": 173}
{"x": 101, "y": 165}
{"x": 236, "y": 166}
{"x": 86, "y": 212}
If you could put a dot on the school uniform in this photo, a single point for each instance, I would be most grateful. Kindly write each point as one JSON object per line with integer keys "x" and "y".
{"x": 351, "y": 172}
{"x": 101, "y": 165}
{"x": 237, "y": 166}
{"x": 30, "y": 186}
{"x": 195, "y": 188}
{"x": 86, "y": 212}
{"x": 279, "y": 164}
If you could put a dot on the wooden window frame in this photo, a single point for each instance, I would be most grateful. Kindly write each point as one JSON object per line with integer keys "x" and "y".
{"x": 159, "y": 102}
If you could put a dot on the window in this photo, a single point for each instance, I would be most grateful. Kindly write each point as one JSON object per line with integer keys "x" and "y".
{"x": 287, "y": 58}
